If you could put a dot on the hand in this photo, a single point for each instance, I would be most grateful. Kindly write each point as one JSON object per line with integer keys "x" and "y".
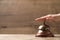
{"x": 49, "y": 18}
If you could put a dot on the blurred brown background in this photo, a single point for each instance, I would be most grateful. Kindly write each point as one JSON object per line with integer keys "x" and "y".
{"x": 17, "y": 16}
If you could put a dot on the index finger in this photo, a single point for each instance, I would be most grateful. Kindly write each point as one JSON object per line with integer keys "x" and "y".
{"x": 40, "y": 19}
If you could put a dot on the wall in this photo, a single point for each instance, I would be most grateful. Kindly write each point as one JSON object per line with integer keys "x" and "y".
{"x": 15, "y": 14}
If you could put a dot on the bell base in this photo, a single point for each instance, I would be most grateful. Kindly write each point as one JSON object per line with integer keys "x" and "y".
{"x": 44, "y": 34}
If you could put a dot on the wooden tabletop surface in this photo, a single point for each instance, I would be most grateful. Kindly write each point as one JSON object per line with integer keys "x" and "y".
{"x": 26, "y": 37}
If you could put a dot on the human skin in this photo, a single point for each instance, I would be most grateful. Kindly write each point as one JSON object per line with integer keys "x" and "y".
{"x": 49, "y": 18}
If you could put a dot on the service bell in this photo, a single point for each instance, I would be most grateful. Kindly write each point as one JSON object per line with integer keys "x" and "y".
{"x": 44, "y": 31}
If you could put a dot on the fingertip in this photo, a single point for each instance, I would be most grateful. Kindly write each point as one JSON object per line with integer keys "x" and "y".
{"x": 35, "y": 19}
{"x": 39, "y": 20}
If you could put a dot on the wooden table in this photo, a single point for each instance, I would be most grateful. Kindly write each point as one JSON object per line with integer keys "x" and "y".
{"x": 26, "y": 37}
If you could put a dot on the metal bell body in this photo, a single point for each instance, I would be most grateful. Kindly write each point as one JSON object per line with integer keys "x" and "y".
{"x": 44, "y": 31}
